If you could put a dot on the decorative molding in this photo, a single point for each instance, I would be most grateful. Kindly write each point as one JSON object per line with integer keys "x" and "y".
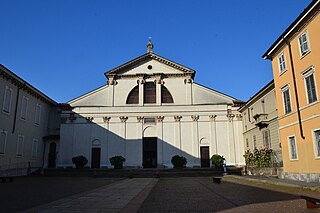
{"x": 123, "y": 118}
{"x": 141, "y": 81}
{"x": 112, "y": 82}
{"x": 188, "y": 81}
{"x": 177, "y": 118}
{"x": 89, "y": 119}
{"x": 195, "y": 117}
{"x": 213, "y": 117}
{"x": 159, "y": 81}
{"x": 230, "y": 116}
{"x": 239, "y": 117}
{"x": 160, "y": 118}
{"x": 106, "y": 119}
{"x": 140, "y": 119}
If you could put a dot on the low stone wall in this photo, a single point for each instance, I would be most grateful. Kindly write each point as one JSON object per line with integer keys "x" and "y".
{"x": 305, "y": 177}
{"x": 265, "y": 171}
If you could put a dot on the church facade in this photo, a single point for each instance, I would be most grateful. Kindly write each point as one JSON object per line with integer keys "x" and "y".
{"x": 150, "y": 110}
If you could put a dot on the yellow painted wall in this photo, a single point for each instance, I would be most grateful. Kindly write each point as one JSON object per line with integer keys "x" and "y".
{"x": 307, "y": 162}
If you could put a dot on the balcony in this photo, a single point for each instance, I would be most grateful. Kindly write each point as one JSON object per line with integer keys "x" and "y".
{"x": 261, "y": 120}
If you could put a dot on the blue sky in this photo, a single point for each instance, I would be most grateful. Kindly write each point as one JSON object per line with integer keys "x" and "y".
{"x": 63, "y": 47}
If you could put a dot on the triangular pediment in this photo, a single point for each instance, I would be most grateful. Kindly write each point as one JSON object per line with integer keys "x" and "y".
{"x": 149, "y": 64}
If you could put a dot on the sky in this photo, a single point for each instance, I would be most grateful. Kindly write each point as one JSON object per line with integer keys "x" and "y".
{"x": 64, "y": 47}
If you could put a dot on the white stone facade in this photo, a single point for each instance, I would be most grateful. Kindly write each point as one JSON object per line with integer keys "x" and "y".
{"x": 151, "y": 99}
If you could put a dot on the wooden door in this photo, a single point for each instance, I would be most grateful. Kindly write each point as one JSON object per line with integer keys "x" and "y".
{"x": 52, "y": 155}
{"x": 95, "y": 157}
{"x": 205, "y": 159}
{"x": 150, "y": 152}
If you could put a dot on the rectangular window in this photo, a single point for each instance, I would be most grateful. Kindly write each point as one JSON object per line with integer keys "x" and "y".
{"x": 266, "y": 138}
{"x": 286, "y": 100}
{"x": 19, "y": 149}
{"x": 254, "y": 142}
{"x": 150, "y": 120}
{"x": 282, "y": 63}
{"x": 24, "y": 108}
{"x": 249, "y": 119}
{"x": 7, "y": 100}
{"x": 293, "y": 148}
{"x": 251, "y": 114}
{"x": 38, "y": 114}
{"x": 3, "y": 141}
{"x": 311, "y": 89}
{"x": 317, "y": 142}
{"x": 247, "y": 142}
{"x": 304, "y": 43}
{"x": 34, "y": 148}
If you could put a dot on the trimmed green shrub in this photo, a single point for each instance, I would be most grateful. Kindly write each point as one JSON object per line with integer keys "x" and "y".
{"x": 179, "y": 161}
{"x": 217, "y": 160}
{"x": 117, "y": 161}
{"x": 80, "y": 161}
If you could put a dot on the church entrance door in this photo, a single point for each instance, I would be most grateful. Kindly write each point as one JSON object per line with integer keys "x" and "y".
{"x": 95, "y": 158}
{"x": 149, "y": 152}
{"x": 52, "y": 155}
{"x": 205, "y": 159}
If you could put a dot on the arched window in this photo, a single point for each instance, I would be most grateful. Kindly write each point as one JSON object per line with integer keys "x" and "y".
{"x": 133, "y": 97}
{"x": 149, "y": 93}
{"x": 166, "y": 97}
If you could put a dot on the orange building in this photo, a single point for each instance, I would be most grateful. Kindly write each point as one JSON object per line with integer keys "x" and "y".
{"x": 295, "y": 57}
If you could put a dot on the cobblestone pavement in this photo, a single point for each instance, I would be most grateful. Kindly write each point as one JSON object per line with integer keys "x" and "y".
{"x": 178, "y": 194}
{"x": 122, "y": 196}
{"x": 27, "y": 192}
{"x": 201, "y": 195}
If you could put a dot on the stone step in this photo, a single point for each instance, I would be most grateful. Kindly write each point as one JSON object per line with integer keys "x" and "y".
{"x": 135, "y": 173}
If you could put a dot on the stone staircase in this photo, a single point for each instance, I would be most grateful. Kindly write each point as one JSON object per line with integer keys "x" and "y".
{"x": 135, "y": 173}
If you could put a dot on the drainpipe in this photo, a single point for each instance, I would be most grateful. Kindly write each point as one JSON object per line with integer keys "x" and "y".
{"x": 16, "y": 108}
{"x": 295, "y": 88}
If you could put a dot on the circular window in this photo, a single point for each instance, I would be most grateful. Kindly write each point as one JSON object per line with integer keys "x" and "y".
{"x": 149, "y": 67}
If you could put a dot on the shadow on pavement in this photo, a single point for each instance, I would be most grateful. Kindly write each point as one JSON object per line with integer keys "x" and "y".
{"x": 27, "y": 192}
{"x": 201, "y": 195}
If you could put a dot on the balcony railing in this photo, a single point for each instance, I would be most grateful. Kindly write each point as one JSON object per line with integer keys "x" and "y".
{"x": 261, "y": 120}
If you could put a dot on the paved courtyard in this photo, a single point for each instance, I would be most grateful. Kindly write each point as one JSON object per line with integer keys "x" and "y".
{"x": 183, "y": 194}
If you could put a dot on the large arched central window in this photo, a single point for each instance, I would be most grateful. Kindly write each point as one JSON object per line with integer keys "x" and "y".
{"x": 133, "y": 97}
{"x": 149, "y": 93}
{"x": 166, "y": 97}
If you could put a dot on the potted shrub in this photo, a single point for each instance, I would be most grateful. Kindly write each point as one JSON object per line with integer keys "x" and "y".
{"x": 217, "y": 161}
{"x": 80, "y": 161}
{"x": 179, "y": 161}
{"x": 117, "y": 161}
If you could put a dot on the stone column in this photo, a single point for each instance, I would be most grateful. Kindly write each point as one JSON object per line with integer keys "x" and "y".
{"x": 123, "y": 132}
{"x": 159, "y": 83}
{"x": 195, "y": 136}
{"x": 112, "y": 83}
{"x": 188, "y": 82}
{"x": 160, "y": 141}
{"x": 106, "y": 120}
{"x": 213, "y": 133}
{"x": 177, "y": 131}
{"x": 232, "y": 143}
{"x": 141, "y": 91}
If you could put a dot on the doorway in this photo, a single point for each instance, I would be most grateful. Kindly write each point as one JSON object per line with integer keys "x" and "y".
{"x": 150, "y": 152}
{"x": 95, "y": 157}
{"x": 205, "y": 159}
{"x": 52, "y": 155}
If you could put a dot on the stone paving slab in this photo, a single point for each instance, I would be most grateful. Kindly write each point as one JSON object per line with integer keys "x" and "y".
{"x": 202, "y": 195}
{"x": 109, "y": 198}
